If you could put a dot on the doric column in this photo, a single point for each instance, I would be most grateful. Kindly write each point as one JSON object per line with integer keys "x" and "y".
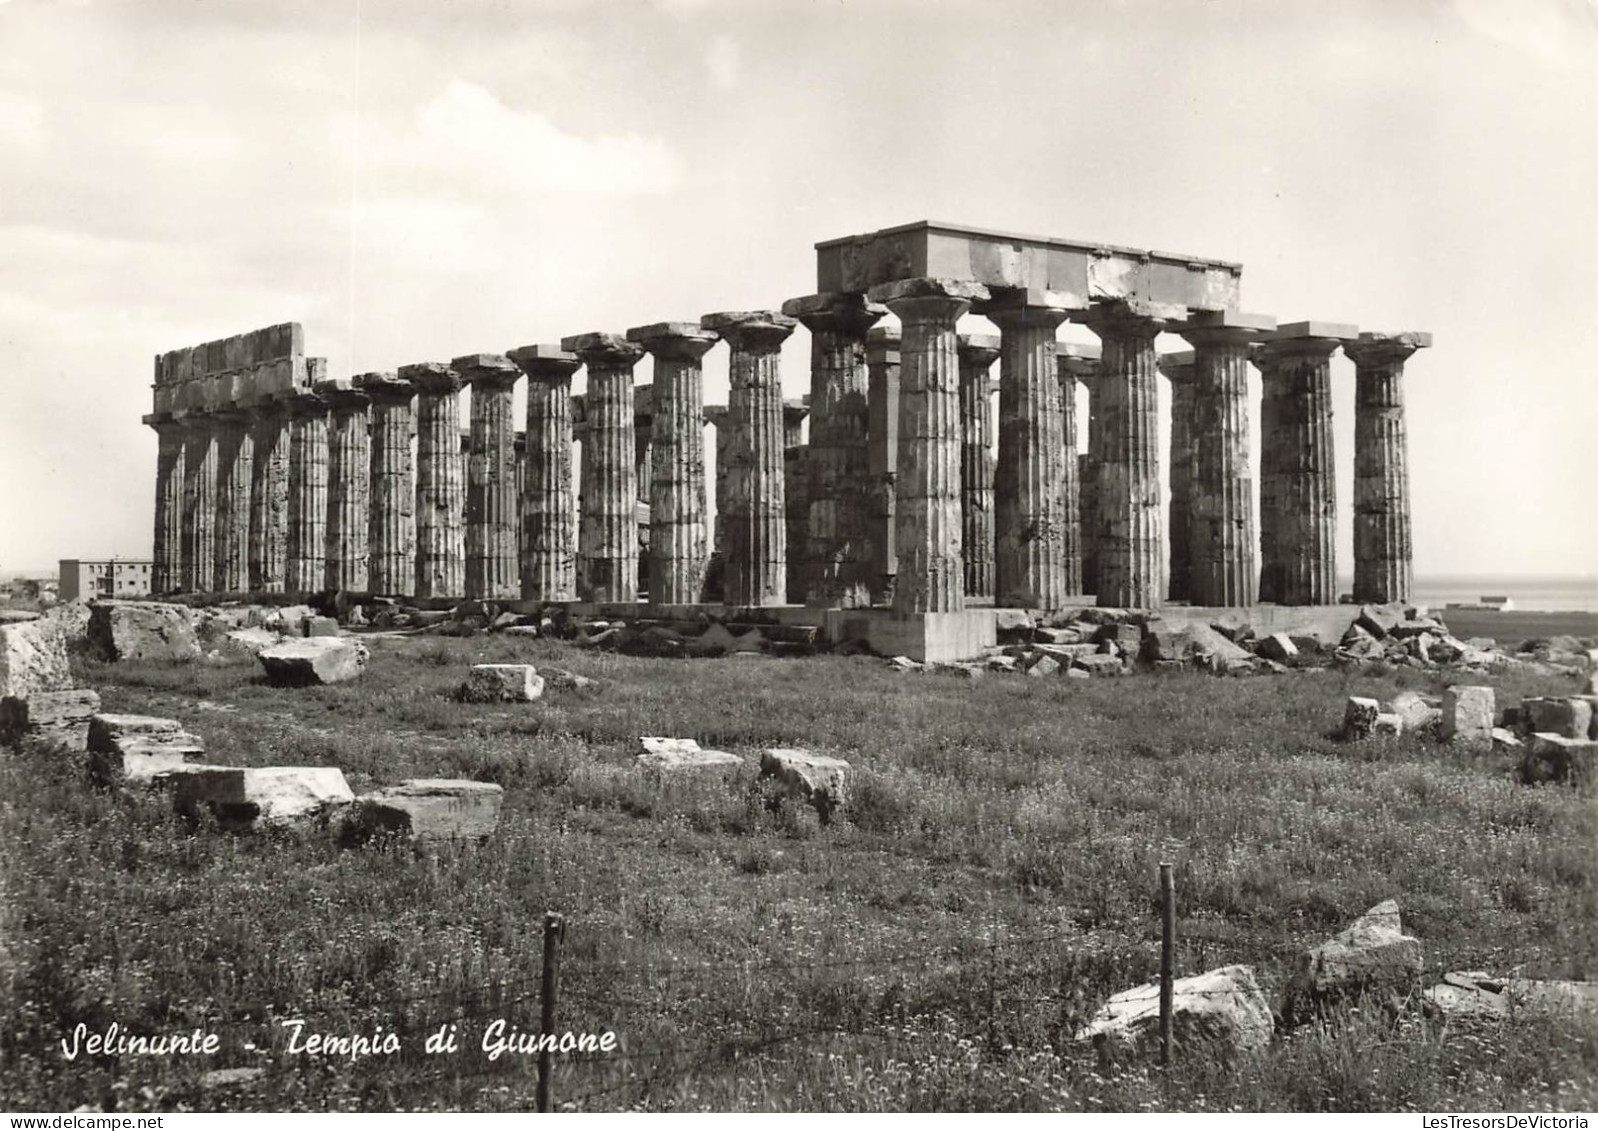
{"x": 1221, "y": 515}
{"x": 440, "y": 486}
{"x": 349, "y": 470}
{"x": 882, "y": 368}
{"x": 1383, "y": 553}
{"x": 1298, "y": 484}
{"x": 492, "y": 571}
{"x": 978, "y": 352}
{"x": 716, "y": 417}
{"x": 1131, "y": 559}
{"x": 757, "y": 562}
{"x": 306, "y": 549}
{"x": 1178, "y": 370}
{"x": 1029, "y": 480}
{"x": 796, "y": 496}
{"x": 678, "y": 545}
{"x": 1075, "y": 363}
{"x": 931, "y": 572}
{"x": 199, "y": 502}
{"x": 838, "y": 504}
{"x": 607, "y": 563}
{"x": 166, "y": 571}
{"x": 644, "y": 441}
{"x": 269, "y": 497}
{"x": 235, "y": 457}
{"x": 549, "y": 505}
{"x": 1088, "y": 481}
{"x": 391, "y": 486}
{"x": 520, "y": 444}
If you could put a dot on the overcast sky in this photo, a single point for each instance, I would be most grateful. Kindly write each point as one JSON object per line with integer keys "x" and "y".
{"x": 416, "y": 179}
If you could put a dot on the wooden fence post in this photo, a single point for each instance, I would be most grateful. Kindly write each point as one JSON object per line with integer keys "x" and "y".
{"x": 554, "y": 929}
{"x": 1167, "y": 958}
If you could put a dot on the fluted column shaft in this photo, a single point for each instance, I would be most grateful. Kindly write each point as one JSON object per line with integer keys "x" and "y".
{"x": 492, "y": 569}
{"x": 346, "y": 563}
{"x": 839, "y": 495}
{"x": 235, "y": 457}
{"x": 796, "y": 498}
{"x": 757, "y": 536}
{"x": 716, "y": 417}
{"x": 1222, "y": 564}
{"x": 1131, "y": 556}
{"x": 549, "y": 504}
{"x": 1178, "y": 369}
{"x": 390, "y": 485}
{"x": 306, "y": 551}
{"x": 1383, "y": 548}
{"x": 883, "y": 364}
{"x": 927, "y": 520}
{"x": 1297, "y": 469}
{"x": 440, "y": 486}
{"x": 1029, "y": 480}
{"x": 1088, "y": 487}
{"x": 166, "y": 569}
{"x": 977, "y": 355}
{"x": 679, "y": 550}
{"x": 607, "y": 565}
{"x": 199, "y": 503}
{"x": 269, "y": 497}
{"x": 1076, "y": 363}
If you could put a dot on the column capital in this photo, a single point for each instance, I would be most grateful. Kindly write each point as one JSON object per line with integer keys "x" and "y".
{"x": 341, "y": 393}
{"x": 162, "y": 421}
{"x": 431, "y": 377}
{"x": 1129, "y": 318}
{"x": 1209, "y": 328}
{"x": 384, "y": 388}
{"x": 1079, "y": 360}
{"x": 1010, "y": 310}
{"x": 490, "y": 369}
{"x": 1176, "y": 367}
{"x": 1303, "y": 339}
{"x": 978, "y": 350}
{"x": 846, "y": 312}
{"x": 794, "y": 413}
{"x": 882, "y": 346}
{"x": 715, "y": 414}
{"x": 602, "y": 349}
{"x": 545, "y": 362}
{"x": 755, "y": 331}
{"x": 304, "y": 403}
{"x": 928, "y": 299}
{"x": 674, "y": 341}
{"x": 1380, "y": 348}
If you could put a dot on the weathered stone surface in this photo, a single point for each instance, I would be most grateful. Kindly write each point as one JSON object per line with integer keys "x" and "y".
{"x": 813, "y": 779}
{"x": 1040, "y": 666}
{"x": 144, "y": 762}
{"x": 272, "y": 796}
{"x": 315, "y": 660}
{"x": 166, "y": 571}
{"x": 250, "y": 641}
{"x": 492, "y": 569}
{"x": 197, "y": 545}
{"x": 1279, "y": 647}
{"x": 1372, "y": 955}
{"x": 1570, "y": 717}
{"x": 33, "y": 658}
{"x": 1099, "y": 664}
{"x": 977, "y": 354}
{"x": 1468, "y": 714}
{"x": 141, "y": 630}
{"x": 1481, "y": 995}
{"x": 607, "y": 565}
{"x": 664, "y": 756}
{"x": 58, "y": 716}
{"x": 1221, "y": 1011}
{"x": 440, "y": 481}
{"x": 501, "y": 683}
{"x": 346, "y": 564}
{"x": 319, "y": 626}
{"x": 1388, "y": 723}
{"x": 1359, "y": 716}
{"x": 391, "y": 485}
{"x": 1013, "y": 624}
{"x": 1382, "y": 540}
{"x": 306, "y": 546}
{"x": 1555, "y": 758}
{"x": 108, "y": 731}
{"x": 429, "y": 809}
{"x": 1416, "y": 711}
{"x": 1215, "y": 648}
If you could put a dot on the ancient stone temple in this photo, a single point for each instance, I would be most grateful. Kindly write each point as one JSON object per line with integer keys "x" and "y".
{"x": 910, "y": 512}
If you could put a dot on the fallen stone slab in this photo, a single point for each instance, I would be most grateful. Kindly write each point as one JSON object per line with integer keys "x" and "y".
{"x": 33, "y": 658}
{"x": 1215, "y": 648}
{"x": 51, "y": 716}
{"x": 1014, "y": 625}
{"x": 563, "y": 680}
{"x": 1359, "y": 716}
{"x": 108, "y": 732}
{"x": 1373, "y": 954}
{"x": 814, "y": 779}
{"x": 1415, "y": 710}
{"x": 1571, "y": 717}
{"x": 501, "y": 683}
{"x": 142, "y": 764}
{"x": 1379, "y": 620}
{"x": 1555, "y": 758}
{"x": 1481, "y": 995}
{"x": 1387, "y": 723}
{"x": 1277, "y": 646}
{"x": 1222, "y": 1011}
{"x": 1098, "y": 664}
{"x": 141, "y": 630}
{"x": 313, "y": 660}
{"x": 270, "y": 796}
{"x": 1039, "y": 666}
{"x": 428, "y": 809}
{"x": 250, "y": 642}
{"x": 1167, "y": 643}
{"x": 1467, "y": 714}
{"x": 670, "y": 756}
{"x": 1064, "y": 652}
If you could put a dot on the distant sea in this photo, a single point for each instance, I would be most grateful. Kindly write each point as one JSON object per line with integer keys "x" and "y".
{"x": 1528, "y": 591}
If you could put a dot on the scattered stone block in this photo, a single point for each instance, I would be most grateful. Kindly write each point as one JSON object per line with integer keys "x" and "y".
{"x": 1045, "y": 635}
{"x": 270, "y": 796}
{"x": 50, "y": 716}
{"x": 814, "y": 779}
{"x": 1505, "y": 741}
{"x": 669, "y": 756}
{"x": 33, "y": 658}
{"x": 1040, "y": 666}
{"x": 1222, "y": 1011}
{"x": 108, "y": 732}
{"x": 1277, "y": 646}
{"x": 320, "y": 626}
{"x": 1014, "y": 625}
{"x": 1571, "y": 717}
{"x": 501, "y": 683}
{"x": 1078, "y": 673}
{"x": 1477, "y": 994}
{"x": 428, "y": 809}
{"x": 1386, "y": 723}
{"x": 905, "y": 664}
{"x": 563, "y": 680}
{"x": 1128, "y": 638}
{"x": 250, "y": 641}
{"x": 1379, "y": 620}
{"x": 314, "y": 660}
{"x": 1215, "y": 649}
{"x": 527, "y": 630}
{"x": 141, "y": 630}
{"x": 1002, "y": 663}
{"x": 1372, "y": 955}
{"x": 1098, "y": 664}
{"x": 1416, "y": 711}
{"x": 1359, "y": 716}
{"x": 1468, "y": 714}
{"x": 132, "y": 750}
{"x": 1165, "y": 643}
{"x": 1555, "y": 758}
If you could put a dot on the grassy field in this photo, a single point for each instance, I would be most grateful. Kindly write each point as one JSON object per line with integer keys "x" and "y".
{"x": 994, "y": 883}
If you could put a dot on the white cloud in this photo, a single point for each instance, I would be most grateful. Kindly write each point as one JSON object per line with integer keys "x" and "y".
{"x": 724, "y": 61}
{"x": 467, "y": 127}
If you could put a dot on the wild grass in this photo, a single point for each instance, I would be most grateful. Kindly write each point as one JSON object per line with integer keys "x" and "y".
{"x": 992, "y": 885}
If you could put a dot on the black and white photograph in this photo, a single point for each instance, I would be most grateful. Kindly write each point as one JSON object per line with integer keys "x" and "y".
{"x": 807, "y": 556}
